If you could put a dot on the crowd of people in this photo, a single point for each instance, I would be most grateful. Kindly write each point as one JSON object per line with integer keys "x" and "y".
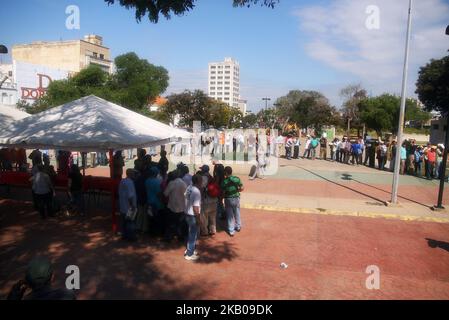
{"x": 418, "y": 160}
{"x": 176, "y": 204}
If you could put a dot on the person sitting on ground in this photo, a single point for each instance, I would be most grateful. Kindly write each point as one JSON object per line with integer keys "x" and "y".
{"x": 38, "y": 281}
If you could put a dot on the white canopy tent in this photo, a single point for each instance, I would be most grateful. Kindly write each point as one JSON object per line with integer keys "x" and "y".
{"x": 89, "y": 124}
{"x": 9, "y": 114}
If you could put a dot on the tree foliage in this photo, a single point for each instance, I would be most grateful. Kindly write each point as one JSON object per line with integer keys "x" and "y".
{"x": 307, "y": 109}
{"x": 155, "y": 8}
{"x": 135, "y": 83}
{"x": 381, "y": 113}
{"x": 352, "y": 95}
{"x": 432, "y": 85}
{"x": 195, "y": 105}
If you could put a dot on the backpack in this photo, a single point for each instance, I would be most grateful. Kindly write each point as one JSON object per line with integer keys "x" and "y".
{"x": 213, "y": 189}
{"x": 314, "y": 143}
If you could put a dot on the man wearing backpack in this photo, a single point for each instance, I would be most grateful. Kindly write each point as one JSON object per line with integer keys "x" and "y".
{"x": 232, "y": 186}
{"x": 209, "y": 194}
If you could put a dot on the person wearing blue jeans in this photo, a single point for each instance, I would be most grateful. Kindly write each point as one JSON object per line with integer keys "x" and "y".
{"x": 192, "y": 216}
{"x": 232, "y": 186}
{"x": 232, "y": 206}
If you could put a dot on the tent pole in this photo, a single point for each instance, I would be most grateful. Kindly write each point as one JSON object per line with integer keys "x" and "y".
{"x": 113, "y": 193}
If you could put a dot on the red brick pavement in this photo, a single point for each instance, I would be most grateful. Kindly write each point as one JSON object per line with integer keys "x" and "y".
{"x": 326, "y": 255}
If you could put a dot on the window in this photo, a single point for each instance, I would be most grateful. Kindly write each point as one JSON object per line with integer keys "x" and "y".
{"x": 226, "y": 88}
{"x": 220, "y": 77}
{"x": 227, "y": 67}
{"x": 227, "y": 77}
{"x": 212, "y": 88}
{"x": 219, "y": 82}
{"x": 95, "y": 55}
{"x": 10, "y": 73}
{"x": 212, "y": 72}
{"x": 227, "y": 72}
{"x": 101, "y": 56}
{"x": 220, "y": 72}
{"x": 226, "y": 98}
{"x": 212, "y": 78}
{"x": 212, "y": 67}
{"x": 212, "y": 82}
{"x": 219, "y": 88}
{"x": 226, "y": 93}
{"x": 220, "y": 67}
{"x": 226, "y": 82}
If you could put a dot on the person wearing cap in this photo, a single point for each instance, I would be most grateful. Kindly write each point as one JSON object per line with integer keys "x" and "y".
{"x": 38, "y": 280}
{"x": 208, "y": 215}
{"x": 418, "y": 161}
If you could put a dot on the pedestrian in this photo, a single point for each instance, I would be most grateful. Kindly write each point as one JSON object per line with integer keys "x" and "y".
{"x": 35, "y": 157}
{"x": 219, "y": 177}
{"x": 192, "y": 216}
{"x": 431, "y": 160}
{"x": 209, "y": 193}
{"x": 142, "y": 218}
{"x": 128, "y": 206}
{"x": 174, "y": 191}
{"x": 154, "y": 201}
{"x": 231, "y": 188}
{"x": 439, "y": 161}
{"x": 43, "y": 192}
{"x": 118, "y": 164}
{"x": 288, "y": 147}
{"x": 403, "y": 158}
{"x": 323, "y": 147}
{"x": 418, "y": 161}
{"x": 163, "y": 164}
{"x": 307, "y": 147}
{"x": 296, "y": 145}
{"x": 393, "y": 155}
{"x": 381, "y": 155}
{"x": 75, "y": 189}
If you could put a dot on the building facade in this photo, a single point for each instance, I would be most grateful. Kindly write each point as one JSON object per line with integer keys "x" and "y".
{"x": 224, "y": 81}
{"x": 73, "y": 55}
{"x": 34, "y": 66}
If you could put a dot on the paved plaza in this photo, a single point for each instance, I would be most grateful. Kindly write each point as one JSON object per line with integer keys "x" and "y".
{"x": 326, "y": 221}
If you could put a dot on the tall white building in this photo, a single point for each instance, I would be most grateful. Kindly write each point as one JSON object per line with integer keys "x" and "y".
{"x": 224, "y": 81}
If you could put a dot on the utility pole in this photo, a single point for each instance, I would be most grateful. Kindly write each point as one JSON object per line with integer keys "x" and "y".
{"x": 397, "y": 164}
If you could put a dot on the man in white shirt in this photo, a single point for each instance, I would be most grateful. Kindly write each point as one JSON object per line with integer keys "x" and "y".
{"x": 176, "y": 205}
{"x": 127, "y": 200}
{"x": 192, "y": 215}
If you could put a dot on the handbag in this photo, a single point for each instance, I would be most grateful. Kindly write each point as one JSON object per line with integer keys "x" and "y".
{"x": 131, "y": 214}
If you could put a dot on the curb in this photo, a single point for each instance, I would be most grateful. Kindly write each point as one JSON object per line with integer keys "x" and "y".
{"x": 344, "y": 213}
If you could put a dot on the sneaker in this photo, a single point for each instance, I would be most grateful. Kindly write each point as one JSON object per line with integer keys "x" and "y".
{"x": 193, "y": 257}
{"x": 194, "y": 252}
{"x": 231, "y": 234}
{"x": 238, "y": 230}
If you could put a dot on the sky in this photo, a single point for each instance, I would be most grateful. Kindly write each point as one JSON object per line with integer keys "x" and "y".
{"x": 321, "y": 45}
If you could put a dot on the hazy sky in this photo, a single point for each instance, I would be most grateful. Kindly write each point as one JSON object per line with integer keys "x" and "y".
{"x": 307, "y": 45}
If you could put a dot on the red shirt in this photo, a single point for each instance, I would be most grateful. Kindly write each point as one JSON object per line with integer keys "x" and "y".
{"x": 431, "y": 155}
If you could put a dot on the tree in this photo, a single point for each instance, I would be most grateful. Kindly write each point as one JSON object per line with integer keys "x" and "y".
{"x": 352, "y": 94}
{"x": 135, "y": 83}
{"x": 155, "y": 8}
{"x": 432, "y": 86}
{"x": 249, "y": 121}
{"x": 307, "y": 109}
{"x": 381, "y": 113}
{"x": 197, "y": 106}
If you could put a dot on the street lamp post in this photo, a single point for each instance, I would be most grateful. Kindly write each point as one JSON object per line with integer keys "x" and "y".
{"x": 442, "y": 172}
{"x": 266, "y": 102}
{"x": 397, "y": 164}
